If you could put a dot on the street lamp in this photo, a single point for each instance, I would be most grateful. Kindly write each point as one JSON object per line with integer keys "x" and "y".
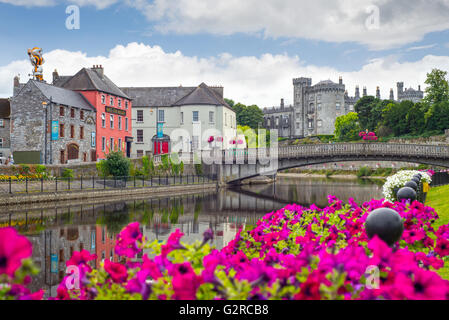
{"x": 44, "y": 105}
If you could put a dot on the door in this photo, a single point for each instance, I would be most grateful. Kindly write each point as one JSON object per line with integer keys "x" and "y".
{"x": 72, "y": 151}
{"x": 165, "y": 147}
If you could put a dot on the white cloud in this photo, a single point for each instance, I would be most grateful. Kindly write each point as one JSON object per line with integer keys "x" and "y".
{"x": 400, "y": 21}
{"x": 421, "y": 47}
{"x": 30, "y": 3}
{"x": 262, "y": 80}
{"x": 99, "y": 4}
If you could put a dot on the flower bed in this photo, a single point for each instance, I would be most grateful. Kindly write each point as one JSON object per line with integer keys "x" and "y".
{"x": 399, "y": 179}
{"x": 293, "y": 253}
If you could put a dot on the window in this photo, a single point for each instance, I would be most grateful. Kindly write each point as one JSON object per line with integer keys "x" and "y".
{"x": 211, "y": 117}
{"x": 103, "y": 120}
{"x": 72, "y": 131}
{"x": 2, "y": 124}
{"x": 103, "y": 99}
{"x": 310, "y": 124}
{"x": 120, "y": 144}
{"x": 337, "y": 106}
{"x": 139, "y": 135}
{"x": 111, "y": 101}
{"x": 161, "y": 116}
{"x": 126, "y": 104}
{"x": 112, "y": 144}
{"x": 195, "y": 116}
{"x": 351, "y": 107}
{"x": 319, "y": 106}
{"x": 319, "y": 97}
{"x": 72, "y": 113}
{"x": 140, "y": 153}
{"x": 85, "y": 157}
{"x": 1, "y": 142}
{"x": 81, "y": 114}
{"x": 319, "y": 123}
{"x": 120, "y": 123}
{"x": 61, "y": 130}
{"x": 139, "y": 115}
{"x": 126, "y": 124}
{"x": 119, "y": 103}
{"x": 111, "y": 120}
{"x": 103, "y": 143}
{"x": 81, "y": 133}
{"x": 61, "y": 111}
{"x": 182, "y": 117}
{"x": 195, "y": 142}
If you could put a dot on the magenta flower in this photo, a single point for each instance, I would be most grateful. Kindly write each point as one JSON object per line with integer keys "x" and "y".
{"x": 117, "y": 271}
{"x": 185, "y": 282}
{"x": 13, "y": 249}
{"x": 81, "y": 258}
{"x": 128, "y": 241}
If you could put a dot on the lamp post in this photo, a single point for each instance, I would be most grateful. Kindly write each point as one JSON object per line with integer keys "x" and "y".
{"x": 44, "y": 105}
{"x": 51, "y": 126}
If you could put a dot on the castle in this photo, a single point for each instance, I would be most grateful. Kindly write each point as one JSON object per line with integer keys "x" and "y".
{"x": 316, "y": 107}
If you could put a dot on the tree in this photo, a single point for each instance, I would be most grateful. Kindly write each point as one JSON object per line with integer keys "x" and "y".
{"x": 117, "y": 165}
{"x": 437, "y": 117}
{"x": 438, "y": 87}
{"x": 250, "y": 116}
{"x": 394, "y": 116}
{"x": 416, "y": 122}
{"x": 369, "y": 110}
{"x": 229, "y": 102}
{"x": 347, "y": 127}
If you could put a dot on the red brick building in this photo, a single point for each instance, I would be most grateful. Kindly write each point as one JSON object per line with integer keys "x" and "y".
{"x": 113, "y": 106}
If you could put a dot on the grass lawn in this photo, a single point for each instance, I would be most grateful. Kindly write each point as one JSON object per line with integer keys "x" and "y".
{"x": 438, "y": 198}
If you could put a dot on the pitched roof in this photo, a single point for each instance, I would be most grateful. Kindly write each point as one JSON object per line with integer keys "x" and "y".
{"x": 89, "y": 80}
{"x": 155, "y": 96}
{"x": 61, "y": 80}
{"x": 5, "y": 108}
{"x": 63, "y": 96}
{"x": 202, "y": 95}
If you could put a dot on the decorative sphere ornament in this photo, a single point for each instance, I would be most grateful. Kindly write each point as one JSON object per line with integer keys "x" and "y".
{"x": 411, "y": 184}
{"x": 406, "y": 193}
{"x": 416, "y": 180}
{"x": 386, "y": 223}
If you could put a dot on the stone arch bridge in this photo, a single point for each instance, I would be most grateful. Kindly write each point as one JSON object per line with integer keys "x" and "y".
{"x": 240, "y": 164}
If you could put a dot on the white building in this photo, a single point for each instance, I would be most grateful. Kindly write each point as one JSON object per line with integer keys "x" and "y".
{"x": 184, "y": 119}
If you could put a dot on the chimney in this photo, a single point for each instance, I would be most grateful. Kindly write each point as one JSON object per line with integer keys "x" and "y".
{"x": 340, "y": 80}
{"x": 99, "y": 70}
{"x": 55, "y": 76}
{"x": 419, "y": 88}
{"x": 16, "y": 81}
{"x": 364, "y": 92}
{"x": 282, "y": 103}
{"x": 391, "y": 94}
{"x": 357, "y": 92}
{"x": 377, "y": 92}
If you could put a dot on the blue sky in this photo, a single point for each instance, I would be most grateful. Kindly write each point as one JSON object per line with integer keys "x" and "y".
{"x": 313, "y": 44}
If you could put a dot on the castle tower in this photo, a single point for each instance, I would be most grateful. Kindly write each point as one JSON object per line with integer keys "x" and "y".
{"x": 391, "y": 94}
{"x": 364, "y": 92}
{"x": 400, "y": 86}
{"x": 357, "y": 92}
{"x": 377, "y": 92}
{"x": 340, "y": 80}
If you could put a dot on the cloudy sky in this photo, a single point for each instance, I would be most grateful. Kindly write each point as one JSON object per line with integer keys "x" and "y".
{"x": 251, "y": 47}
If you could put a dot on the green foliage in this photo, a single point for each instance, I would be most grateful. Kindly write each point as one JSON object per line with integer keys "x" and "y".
{"x": 438, "y": 87}
{"x": 198, "y": 168}
{"x": 367, "y": 110}
{"x": 117, "y": 165}
{"x": 102, "y": 168}
{"x": 347, "y": 127}
{"x": 146, "y": 165}
{"x": 67, "y": 173}
{"x": 250, "y": 116}
{"x": 364, "y": 172}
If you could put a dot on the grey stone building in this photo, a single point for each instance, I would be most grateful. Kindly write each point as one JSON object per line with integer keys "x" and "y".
{"x": 408, "y": 94}
{"x": 279, "y": 118}
{"x": 51, "y": 125}
{"x": 316, "y": 107}
{"x": 5, "y": 140}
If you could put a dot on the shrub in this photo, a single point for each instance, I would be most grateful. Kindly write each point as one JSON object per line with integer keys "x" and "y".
{"x": 146, "y": 165}
{"x": 117, "y": 165}
{"x": 102, "y": 168}
{"x": 364, "y": 172}
{"x": 67, "y": 173}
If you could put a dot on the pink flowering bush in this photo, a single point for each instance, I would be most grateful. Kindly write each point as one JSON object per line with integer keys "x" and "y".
{"x": 293, "y": 253}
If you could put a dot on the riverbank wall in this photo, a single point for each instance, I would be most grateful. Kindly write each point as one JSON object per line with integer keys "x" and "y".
{"x": 116, "y": 194}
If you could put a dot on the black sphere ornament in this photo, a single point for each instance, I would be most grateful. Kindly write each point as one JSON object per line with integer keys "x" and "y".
{"x": 411, "y": 184}
{"x": 416, "y": 180}
{"x": 418, "y": 175}
{"x": 406, "y": 193}
{"x": 386, "y": 223}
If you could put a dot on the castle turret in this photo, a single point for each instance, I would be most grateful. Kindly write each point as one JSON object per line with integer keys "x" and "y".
{"x": 364, "y": 92}
{"x": 377, "y": 92}
{"x": 357, "y": 92}
{"x": 391, "y": 94}
{"x": 340, "y": 80}
{"x": 282, "y": 103}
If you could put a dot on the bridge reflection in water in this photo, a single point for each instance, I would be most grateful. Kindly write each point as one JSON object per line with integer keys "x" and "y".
{"x": 57, "y": 231}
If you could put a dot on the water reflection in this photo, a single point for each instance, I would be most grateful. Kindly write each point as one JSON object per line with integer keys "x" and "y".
{"x": 57, "y": 231}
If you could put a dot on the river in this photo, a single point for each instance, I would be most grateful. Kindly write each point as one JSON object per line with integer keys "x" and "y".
{"x": 57, "y": 230}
